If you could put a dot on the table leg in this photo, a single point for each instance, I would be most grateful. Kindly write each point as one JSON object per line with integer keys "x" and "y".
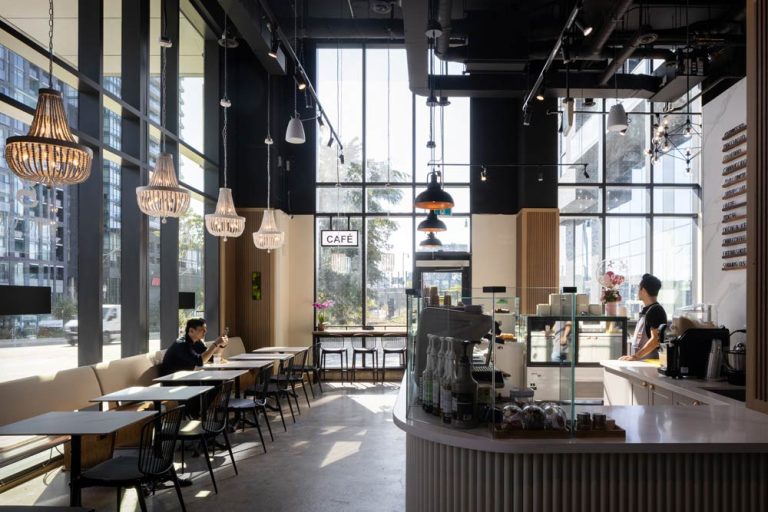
{"x": 74, "y": 475}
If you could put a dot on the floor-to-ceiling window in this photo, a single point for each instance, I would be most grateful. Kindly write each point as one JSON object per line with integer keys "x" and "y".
{"x": 40, "y": 232}
{"x": 384, "y": 129}
{"x": 626, "y": 207}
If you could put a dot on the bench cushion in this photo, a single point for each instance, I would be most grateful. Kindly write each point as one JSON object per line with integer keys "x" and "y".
{"x": 234, "y": 347}
{"x": 132, "y": 371}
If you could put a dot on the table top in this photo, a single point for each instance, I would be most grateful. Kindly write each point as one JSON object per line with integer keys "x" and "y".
{"x": 359, "y": 334}
{"x": 287, "y": 350}
{"x": 238, "y": 365}
{"x": 153, "y": 393}
{"x": 201, "y": 375}
{"x": 74, "y": 423}
{"x": 262, "y": 356}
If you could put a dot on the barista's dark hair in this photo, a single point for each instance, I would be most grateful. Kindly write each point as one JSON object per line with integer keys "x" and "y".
{"x": 194, "y": 323}
{"x": 651, "y": 284}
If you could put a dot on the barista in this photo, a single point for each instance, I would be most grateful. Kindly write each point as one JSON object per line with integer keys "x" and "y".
{"x": 645, "y": 341}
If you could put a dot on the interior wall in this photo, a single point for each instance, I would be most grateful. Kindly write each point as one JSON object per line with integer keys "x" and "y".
{"x": 493, "y": 255}
{"x": 299, "y": 316}
{"x": 727, "y": 290}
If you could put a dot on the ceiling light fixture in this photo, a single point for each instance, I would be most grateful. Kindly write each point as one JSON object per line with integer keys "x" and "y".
{"x": 163, "y": 197}
{"x": 484, "y": 174}
{"x": 274, "y": 47}
{"x": 434, "y": 197}
{"x": 301, "y": 84}
{"x": 586, "y": 30}
{"x": 432, "y": 224}
{"x": 434, "y": 30}
{"x": 431, "y": 242}
{"x": 48, "y": 153}
{"x": 268, "y": 236}
{"x": 225, "y": 222}
{"x": 618, "y": 121}
{"x": 294, "y": 133}
{"x": 540, "y": 94}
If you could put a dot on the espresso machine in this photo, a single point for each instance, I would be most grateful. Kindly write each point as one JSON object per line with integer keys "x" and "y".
{"x": 687, "y": 355}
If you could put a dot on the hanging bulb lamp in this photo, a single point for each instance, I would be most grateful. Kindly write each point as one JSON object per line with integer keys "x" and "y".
{"x": 268, "y": 236}
{"x": 431, "y": 242}
{"x": 617, "y": 118}
{"x": 294, "y": 134}
{"x": 434, "y": 197}
{"x": 431, "y": 224}
{"x": 225, "y": 222}
{"x": 163, "y": 197}
{"x": 48, "y": 153}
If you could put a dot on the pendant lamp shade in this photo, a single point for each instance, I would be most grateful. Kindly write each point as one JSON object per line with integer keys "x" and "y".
{"x": 434, "y": 198}
{"x": 225, "y": 222}
{"x": 431, "y": 242}
{"x": 268, "y": 236}
{"x": 163, "y": 197}
{"x": 431, "y": 224}
{"x": 295, "y": 131}
{"x": 617, "y": 118}
{"x": 49, "y": 154}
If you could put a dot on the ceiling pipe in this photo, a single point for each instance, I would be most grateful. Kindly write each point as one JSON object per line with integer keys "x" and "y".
{"x": 619, "y": 9}
{"x": 444, "y": 9}
{"x": 460, "y": 55}
{"x": 555, "y": 50}
{"x": 360, "y": 28}
{"x": 643, "y": 36}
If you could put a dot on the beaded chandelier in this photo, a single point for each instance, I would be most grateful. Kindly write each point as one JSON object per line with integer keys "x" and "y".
{"x": 268, "y": 236}
{"x": 163, "y": 197}
{"x": 49, "y": 154}
{"x": 225, "y": 222}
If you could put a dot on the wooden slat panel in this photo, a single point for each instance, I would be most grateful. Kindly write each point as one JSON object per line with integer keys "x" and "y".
{"x": 757, "y": 207}
{"x": 538, "y": 254}
{"x": 250, "y": 319}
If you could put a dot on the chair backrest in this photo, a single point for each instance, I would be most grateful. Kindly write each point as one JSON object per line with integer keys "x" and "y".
{"x": 300, "y": 360}
{"x": 215, "y": 418}
{"x": 393, "y": 342}
{"x": 264, "y": 375}
{"x": 158, "y": 441}
{"x": 332, "y": 342}
{"x": 367, "y": 343}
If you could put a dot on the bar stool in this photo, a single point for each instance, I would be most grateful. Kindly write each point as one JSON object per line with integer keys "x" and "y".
{"x": 360, "y": 347}
{"x": 392, "y": 345}
{"x": 334, "y": 347}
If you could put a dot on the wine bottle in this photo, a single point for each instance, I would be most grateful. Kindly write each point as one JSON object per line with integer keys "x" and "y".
{"x": 449, "y": 377}
{"x": 428, "y": 375}
{"x": 464, "y": 392}
{"x": 438, "y": 377}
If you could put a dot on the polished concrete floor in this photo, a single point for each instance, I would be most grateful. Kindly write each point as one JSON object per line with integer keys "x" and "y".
{"x": 342, "y": 454}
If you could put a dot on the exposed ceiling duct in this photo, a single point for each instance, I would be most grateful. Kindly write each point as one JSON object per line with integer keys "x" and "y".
{"x": 613, "y": 19}
{"x": 642, "y": 37}
{"x": 444, "y": 11}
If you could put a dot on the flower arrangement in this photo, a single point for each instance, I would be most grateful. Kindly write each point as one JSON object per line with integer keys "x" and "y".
{"x": 611, "y": 282}
{"x": 320, "y": 307}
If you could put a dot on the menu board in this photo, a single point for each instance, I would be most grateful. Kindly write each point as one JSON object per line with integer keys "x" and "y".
{"x": 734, "y": 196}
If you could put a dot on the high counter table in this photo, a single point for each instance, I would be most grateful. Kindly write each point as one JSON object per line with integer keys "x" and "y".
{"x": 356, "y": 333}
{"x": 673, "y": 458}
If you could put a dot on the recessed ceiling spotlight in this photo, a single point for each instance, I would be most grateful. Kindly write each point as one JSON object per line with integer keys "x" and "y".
{"x": 381, "y": 7}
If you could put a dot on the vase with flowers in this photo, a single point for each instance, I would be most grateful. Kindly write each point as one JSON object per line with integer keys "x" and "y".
{"x": 611, "y": 295}
{"x": 320, "y": 307}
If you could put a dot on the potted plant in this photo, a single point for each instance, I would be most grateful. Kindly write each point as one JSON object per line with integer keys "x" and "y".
{"x": 611, "y": 295}
{"x": 320, "y": 307}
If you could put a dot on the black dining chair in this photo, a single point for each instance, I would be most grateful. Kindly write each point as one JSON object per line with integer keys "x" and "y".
{"x": 393, "y": 345}
{"x": 329, "y": 347}
{"x": 361, "y": 347}
{"x": 280, "y": 385}
{"x": 213, "y": 424}
{"x": 295, "y": 375}
{"x": 154, "y": 463}
{"x": 240, "y": 406}
{"x": 312, "y": 371}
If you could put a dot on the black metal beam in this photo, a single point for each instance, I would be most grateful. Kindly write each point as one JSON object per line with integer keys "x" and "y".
{"x": 134, "y": 230}
{"x": 90, "y": 197}
{"x": 211, "y": 141}
{"x": 169, "y": 232}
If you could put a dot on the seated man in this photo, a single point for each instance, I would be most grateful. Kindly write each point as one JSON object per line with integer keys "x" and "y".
{"x": 190, "y": 350}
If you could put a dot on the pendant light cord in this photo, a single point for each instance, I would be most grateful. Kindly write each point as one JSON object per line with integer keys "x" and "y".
{"x": 163, "y": 62}
{"x": 389, "y": 159}
{"x": 50, "y": 44}
{"x": 295, "y": 45}
{"x": 269, "y": 138}
{"x": 226, "y": 106}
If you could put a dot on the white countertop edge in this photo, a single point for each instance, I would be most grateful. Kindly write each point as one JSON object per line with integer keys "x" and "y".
{"x": 698, "y": 426}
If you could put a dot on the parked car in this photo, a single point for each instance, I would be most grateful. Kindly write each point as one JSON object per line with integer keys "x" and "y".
{"x": 110, "y": 324}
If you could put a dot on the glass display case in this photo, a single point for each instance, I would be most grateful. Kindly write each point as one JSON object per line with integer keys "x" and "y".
{"x": 467, "y": 361}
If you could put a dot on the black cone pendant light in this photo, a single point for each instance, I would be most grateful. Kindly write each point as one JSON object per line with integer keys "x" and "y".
{"x": 431, "y": 224}
{"x": 434, "y": 198}
{"x": 431, "y": 242}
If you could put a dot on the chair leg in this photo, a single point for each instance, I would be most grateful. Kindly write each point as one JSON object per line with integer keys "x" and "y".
{"x": 119, "y": 498}
{"x": 266, "y": 419}
{"x": 295, "y": 396}
{"x": 208, "y": 463}
{"x": 311, "y": 384}
{"x": 304, "y": 388}
{"x": 176, "y": 484}
{"x": 258, "y": 428}
{"x": 316, "y": 372}
{"x": 290, "y": 407}
{"x": 229, "y": 448}
{"x": 182, "y": 454}
{"x": 140, "y": 494}
{"x": 280, "y": 408}
{"x": 383, "y": 367}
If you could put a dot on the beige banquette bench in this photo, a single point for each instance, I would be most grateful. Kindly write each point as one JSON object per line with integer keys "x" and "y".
{"x": 69, "y": 390}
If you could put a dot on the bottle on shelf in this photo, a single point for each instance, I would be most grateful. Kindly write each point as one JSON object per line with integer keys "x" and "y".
{"x": 438, "y": 377}
{"x": 449, "y": 377}
{"x": 427, "y": 376}
{"x": 464, "y": 391}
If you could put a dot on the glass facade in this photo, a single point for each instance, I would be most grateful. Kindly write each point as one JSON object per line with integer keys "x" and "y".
{"x": 40, "y": 233}
{"x": 644, "y": 213}
{"x": 384, "y": 129}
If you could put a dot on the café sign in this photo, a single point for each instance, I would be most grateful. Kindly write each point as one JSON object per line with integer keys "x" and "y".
{"x": 335, "y": 238}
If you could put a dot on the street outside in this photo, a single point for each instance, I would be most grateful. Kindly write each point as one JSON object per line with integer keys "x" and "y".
{"x": 27, "y": 357}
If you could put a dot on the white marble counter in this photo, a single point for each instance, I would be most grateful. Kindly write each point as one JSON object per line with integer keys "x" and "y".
{"x": 650, "y": 429}
{"x": 695, "y": 389}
